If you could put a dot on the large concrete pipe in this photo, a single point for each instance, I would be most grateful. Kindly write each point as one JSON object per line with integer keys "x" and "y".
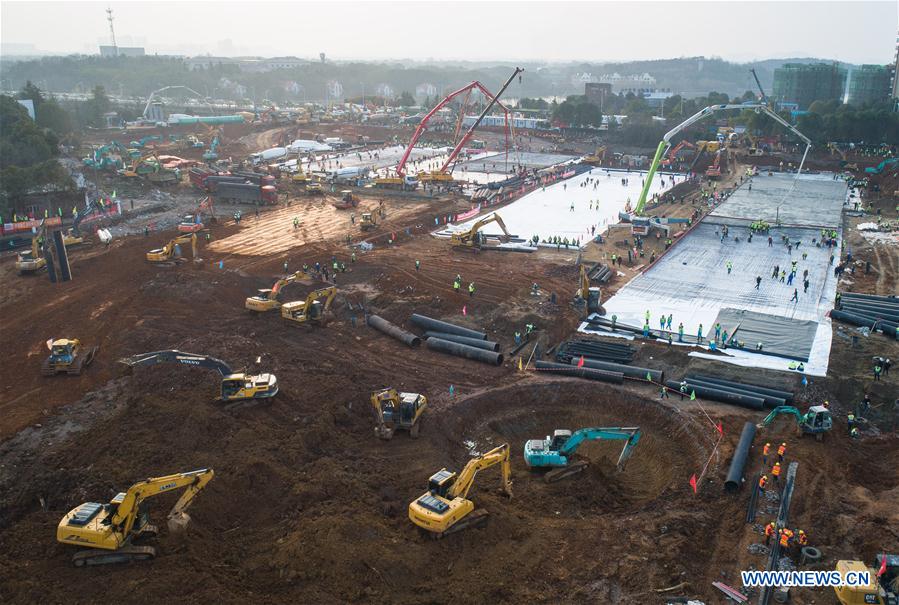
{"x": 487, "y": 345}
{"x": 735, "y": 474}
{"x": 460, "y": 350}
{"x": 382, "y": 325}
{"x": 746, "y": 401}
{"x": 589, "y": 373}
{"x": 771, "y": 401}
{"x": 629, "y": 371}
{"x": 435, "y": 325}
{"x": 785, "y": 395}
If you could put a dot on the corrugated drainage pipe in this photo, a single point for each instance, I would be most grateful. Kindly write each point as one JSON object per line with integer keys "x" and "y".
{"x": 735, "y": 474}
{"x": 629, "y": 371}
{"x": 477, "y": 343}
{"x": 435, "y": 325}
{"x": 460, "y": 350}
{"x": 382, "y": 325}
{"x": 785, "y": 395}
{"x": 770, "y": 400}
{"x": 589, "y": 373}
{"x": 753, "y": 403}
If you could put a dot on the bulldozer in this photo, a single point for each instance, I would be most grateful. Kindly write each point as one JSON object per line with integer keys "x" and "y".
{"x": 882, "y": 587}
{"x": 110, "y": 530}
{"x": 171, "y": 251}
{"x": 347, "y": 200}
{"x": 445, "y": 509}
{"x": 236, "y": 386}
{"x": 816, "y": 421}
{"x": 472, "y": 239}
{"x": 397, "y": 411}
{"x": 67, "y": 356}
{"x": 312, "y": 309}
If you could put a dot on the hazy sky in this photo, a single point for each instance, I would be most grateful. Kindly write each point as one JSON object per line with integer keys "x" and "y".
{"x": 853, "y": 31}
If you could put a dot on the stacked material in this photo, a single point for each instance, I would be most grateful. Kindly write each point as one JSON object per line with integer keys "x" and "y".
{"x": 588, "y": 373}
{"x": 594, "y": 349}
{"x": 771, "y": 397}
{"x": 601, "y": 273}
{"x": 880, "y": 313}
{"x": 460, "y": 341}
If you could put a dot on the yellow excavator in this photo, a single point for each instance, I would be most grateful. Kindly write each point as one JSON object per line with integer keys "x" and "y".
{"x": 472, "y": 239}
{"x": 596, "y": 158}
{"x": 31, "y": 261}
{"x": 312, "y": 309}
{"x": 170, "y": 251}
{"x": 236, "y": 386}
{"x": 444, "y": 508}
{"x": 67, "y": 356}
{"x": 367, "y": 222}
{"x": 587, "y": 294}
{"x": 109, "y": 530}
{"x": 267, "y": 300}
{"x": 397, "y": 411}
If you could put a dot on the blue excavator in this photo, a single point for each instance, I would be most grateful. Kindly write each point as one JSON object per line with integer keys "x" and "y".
{"x": 557, "y": 452}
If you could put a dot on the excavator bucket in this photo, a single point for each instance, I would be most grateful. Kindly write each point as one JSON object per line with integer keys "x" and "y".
{"x": 178, "y": 522}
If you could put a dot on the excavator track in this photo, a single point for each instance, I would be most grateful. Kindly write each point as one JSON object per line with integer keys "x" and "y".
{"x": 475, "y": 518}
{"x": 126, "y": 554}
{"x": 47, "y": 369}
{"x": 81, "y": 361}
{"x": 564, "y": 472}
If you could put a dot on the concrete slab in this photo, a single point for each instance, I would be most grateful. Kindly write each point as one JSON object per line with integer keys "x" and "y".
{"x": 500, "y": 162}
{"x": 813, "y": 200}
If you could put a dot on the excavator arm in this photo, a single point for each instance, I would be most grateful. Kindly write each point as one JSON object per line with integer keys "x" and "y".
{"x": 190, "y": 359}
{"x": 630, "y": 434}
{"x": 472, "y": 234}
{"x": 498, "y": 455}
{"x": 276, "y": 289}
{"x": 127, "y": 512}
{"x": 782, "y": 409}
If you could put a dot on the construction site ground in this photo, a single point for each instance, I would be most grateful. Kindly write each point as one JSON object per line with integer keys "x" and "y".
{"x": 307, "y": 504}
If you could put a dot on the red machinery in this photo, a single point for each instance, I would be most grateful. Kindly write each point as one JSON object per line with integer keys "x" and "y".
{"x": 714, "y": 171}
{"x": 422, "y": 126}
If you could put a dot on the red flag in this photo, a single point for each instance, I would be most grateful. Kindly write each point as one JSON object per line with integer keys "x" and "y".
{"x": 580, "y": 362}
{"x": 465, "y": 310}
{"x": 720, "y": 429}
{"x": 693, "y": 482}
{"x": 883, "y": 565}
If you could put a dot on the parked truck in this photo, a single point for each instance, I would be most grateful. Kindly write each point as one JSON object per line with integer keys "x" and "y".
{"x": 268, "y": 156}
{"x": 246, "y": 193}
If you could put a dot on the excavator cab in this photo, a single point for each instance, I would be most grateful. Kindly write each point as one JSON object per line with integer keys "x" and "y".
{"x": 311, "y": 309}
{"x": 440, "y": 482}
{"x": 237, "y": 387}
{"x": 398, "y": 411}
{"x": 367, "y": 222}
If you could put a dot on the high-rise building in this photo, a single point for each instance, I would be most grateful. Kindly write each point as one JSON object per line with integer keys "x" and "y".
{"x": 805, "y": 83}
{"x": 597, "y": 92}
{"x": 869, "y": 84}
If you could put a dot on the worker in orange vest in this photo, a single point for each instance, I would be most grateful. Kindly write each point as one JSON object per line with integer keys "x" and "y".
{"x": 763, "y": 483}
{"x": 781, "y": 451}
{"x": 785, "y": 536}
{"x": 775, "y": 470}
{"x": 769, "y": 533}
{"x": 765, "y": 451}
{"x": 802, "y": 538}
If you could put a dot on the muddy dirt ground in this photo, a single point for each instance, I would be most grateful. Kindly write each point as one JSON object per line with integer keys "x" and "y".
{"x": 308, "y": 505}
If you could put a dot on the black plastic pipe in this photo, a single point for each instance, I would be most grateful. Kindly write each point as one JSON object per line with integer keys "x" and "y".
{"x": 382, "y": 325}
{"x": 435, "y": 325}
{"x": 888, "y": 328}
{"x": 771, "y": 401}
{"x": 892, "y": 316}
{"x": 874, "y": 304}
{"x": 487, "y": 345}
{"x": 629, "y": 371}
{"x": 785, "y": 395}
{"x": 735, "y": 473}
{"x": 460, "y": 350}
{"x": 746, "y": 401}
{"x": 588, "y": 373}
{"x": 889, "y": 299}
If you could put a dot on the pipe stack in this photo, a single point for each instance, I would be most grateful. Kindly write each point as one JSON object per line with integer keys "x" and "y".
{"x": 595, "y": 349}
{"x": 760, "y": 391}
{"x": 717, "y": 394}
{"x": 382, "y": 325}
{"x": 435, "y": 325}
{"x": 629, "y": 371}
{"x": 478, "y": 343}
{"x": 601, "y": 273}
{"x": 461, "y": 350}
{"x": 588, "y": 373}
{"x": 876, "y": 312}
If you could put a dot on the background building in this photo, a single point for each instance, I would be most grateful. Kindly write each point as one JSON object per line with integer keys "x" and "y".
{"x": 869, "y": 84}
{"x": 122, "y": 51}
{"x": 597, "y": 92}
{"x": 804, "y": 84}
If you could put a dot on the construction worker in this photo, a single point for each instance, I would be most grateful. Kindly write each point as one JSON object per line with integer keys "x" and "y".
{"x": 878, "y": 369}
{"x": 781, "y": 450}
{"x": 683, "y": 389}
{"x": 285, "y": 266}
{"x": 850, "y": 422}
{"x": 528, "y": 329}
{"x": 717, "y": 332}
{"x": 769, "y": 533}
{"x": 729, "y": 266}
{"x": 775, "y": 470}
{"x": 785, "y": 536}
{"x": 699, "y": 334}
{"x": 517, "y": 338}
{"x": 417, "y": 265}
{"x": 765, "y": 451}
{"x": 802, "y": 538}
{"x": 456, "y": 285}
{"x": 663, "y": 393}
{"x": 763, "y": 483}
{"x": 680, "y": 332}
{"x": 471, "y": 289}
{"x": 353, "y": 257}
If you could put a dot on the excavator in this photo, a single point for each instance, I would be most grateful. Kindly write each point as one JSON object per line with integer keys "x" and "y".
{"x": 312, "y": 309}
{"x": 596, "y": 158}
{"x": 367, "y": 222}
{"x": 816, "y": 421}
{"x": 267, "y": 300}
{"x": 171, "y": 251}
{"x": 31, "y": 261}
{"x": 591, "y": 295}
{"x": 557, "y": 452}
{"x": 398, "y": 411}
{"x": 236, "y": 386}
{"x": 110, "y": 530}
{"x": 67, "y": 356}
{"x": 472, "y": 239}
{"x": 445, "y": 509}
{"x": 714, "y": 171}
{"x": 671, "y": 158}
{"x": 883, "y": 582}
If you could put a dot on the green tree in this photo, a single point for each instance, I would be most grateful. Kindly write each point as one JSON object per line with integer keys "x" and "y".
{"x": 406, "y": 99}
{"x": 32, "y": 92}
{"x": 52, "y": 116}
